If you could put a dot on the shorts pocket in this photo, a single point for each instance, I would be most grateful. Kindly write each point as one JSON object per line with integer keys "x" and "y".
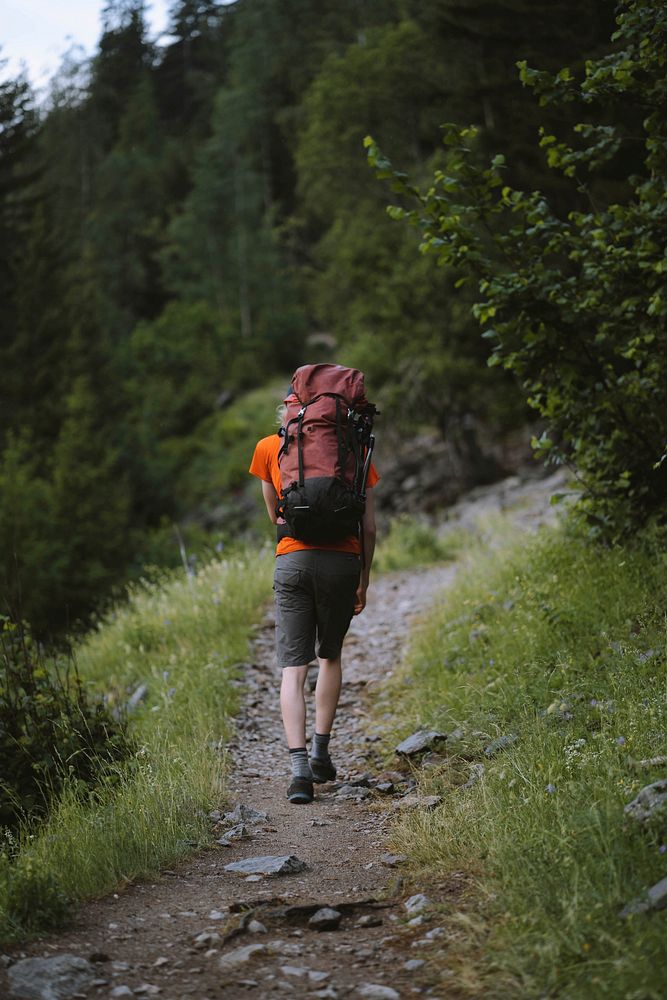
{"x": 285, "y": 578}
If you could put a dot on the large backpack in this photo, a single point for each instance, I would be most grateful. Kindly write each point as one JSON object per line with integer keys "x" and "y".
{"x": 326, "y": 454}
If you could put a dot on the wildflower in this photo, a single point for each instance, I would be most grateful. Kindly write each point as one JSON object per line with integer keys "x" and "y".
{"x": 662, "y": 849}
{"x": 550, "y": 788}
{"x": 219, "y": 546}
{"x": 593, "y": 702}
{"x": 620, "y": 740}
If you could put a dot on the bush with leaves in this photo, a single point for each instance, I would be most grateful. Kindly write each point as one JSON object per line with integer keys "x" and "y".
{"x": 576, "y": 304}
{"x": 50, "y": 730}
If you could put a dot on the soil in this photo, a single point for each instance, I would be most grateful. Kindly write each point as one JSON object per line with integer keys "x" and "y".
{"x": 143, "y": 937}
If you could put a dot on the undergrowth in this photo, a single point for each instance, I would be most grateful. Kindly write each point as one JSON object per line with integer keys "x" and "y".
{"x": 176, "y": 644}
{"x": 411, "y": 542}
{"x": 559, "y": 646}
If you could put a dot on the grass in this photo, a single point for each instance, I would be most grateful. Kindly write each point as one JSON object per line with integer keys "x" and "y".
{"x": 183, "y": 637}
{"x": 412, "y": 542}
{"x": 562, "y": 646}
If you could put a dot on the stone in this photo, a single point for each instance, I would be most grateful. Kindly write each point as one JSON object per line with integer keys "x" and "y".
{"x": 54, "y": 978}
{"x": 649, "y": 762}
{"x": 655, "y": 898}
{"x": 325, "y": 919}
{"x": 369, "y": 920}
{"x": 415, "y": 904}
{"x": 256, "y": 927}
{"x": 299, "y": 971}
{"x": 427, "y": 802}
{"x": 650, "y": 803}
{"x": 386, "y": 787}
{"x": 147, "y": 990}
{"x": 420, "y": 742}
{"x": 392, "y": 860}
{"x": 240, "y": 956}
{"x": 268, "y": 865}
{"x": 501, "y": 743}
{"x": 245, "y": 814}
{"x": 207, "y": 939}
{"x": 317, "y": 976}
{"x": 328, "y": 993}
{"x": 413, "y": 964}
{"x": 121, "y": 991}
{"x": 657, "y": 895}
{"x": 633, "y": 908}
{"x": 216, "y": 915}
{"x": 349, "y": 791}
{"x": 375, "y": 991}
{"x": 436, "y": 932}
{"x": 239, "y": 832}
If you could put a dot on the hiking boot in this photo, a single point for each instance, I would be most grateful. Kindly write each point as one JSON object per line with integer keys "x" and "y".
{"x": 300, "y": 791}
{"x": 323, "y": 770}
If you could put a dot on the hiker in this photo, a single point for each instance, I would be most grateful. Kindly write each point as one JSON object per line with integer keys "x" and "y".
{"x": 321, "y": 577}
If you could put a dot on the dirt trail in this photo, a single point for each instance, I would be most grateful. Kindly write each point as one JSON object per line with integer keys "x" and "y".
{"x": 144, "y": 938}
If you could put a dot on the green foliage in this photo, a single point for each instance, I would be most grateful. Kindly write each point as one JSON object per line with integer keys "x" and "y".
{"x": 574, "y": 306}
{"x": 561, "y": 644}
{"x": 412, "y": 541}
{"x": 32, "y": 899}
{"x": 51, "y": 731}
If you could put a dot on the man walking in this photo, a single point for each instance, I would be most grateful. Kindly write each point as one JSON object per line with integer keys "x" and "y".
{"x": 318, "y": 587}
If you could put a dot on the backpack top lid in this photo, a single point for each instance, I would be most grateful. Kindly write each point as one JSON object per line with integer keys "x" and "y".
{"x": 309, "y": 381}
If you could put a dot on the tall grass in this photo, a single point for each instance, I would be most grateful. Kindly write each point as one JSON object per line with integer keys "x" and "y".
{"x": 562, "y": 646}
{"x": 183, "y": 637}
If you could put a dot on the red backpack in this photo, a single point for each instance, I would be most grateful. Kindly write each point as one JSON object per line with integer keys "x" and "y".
{"x": 326, "y": 454}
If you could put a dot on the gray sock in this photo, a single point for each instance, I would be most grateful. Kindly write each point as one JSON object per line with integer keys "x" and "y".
{"x": 299, "y": 761}
{"x": 320, "y": 748}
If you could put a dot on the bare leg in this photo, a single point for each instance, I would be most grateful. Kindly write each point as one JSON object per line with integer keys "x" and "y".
{"x": 293, "y": 705}
{"x": 327, "y": 693}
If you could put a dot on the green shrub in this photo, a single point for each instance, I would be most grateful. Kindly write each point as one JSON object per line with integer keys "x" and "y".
{"x": 32, "y": 899}
{"x": 51, "y": 732}
{"x": 573, "y": 303}
{"x": 412, "y": 541}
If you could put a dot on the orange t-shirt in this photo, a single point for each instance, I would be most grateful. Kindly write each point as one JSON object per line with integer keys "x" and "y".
{"x": 265, "y": 466}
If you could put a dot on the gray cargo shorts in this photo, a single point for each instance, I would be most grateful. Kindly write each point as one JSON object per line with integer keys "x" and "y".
{"x": 315, "y": 591}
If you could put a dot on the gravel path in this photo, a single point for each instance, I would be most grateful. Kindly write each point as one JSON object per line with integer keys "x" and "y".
{"x": 206, "y": 932}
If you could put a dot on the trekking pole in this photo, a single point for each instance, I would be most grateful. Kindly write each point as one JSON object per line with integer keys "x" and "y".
{"x": 367, "y": 465}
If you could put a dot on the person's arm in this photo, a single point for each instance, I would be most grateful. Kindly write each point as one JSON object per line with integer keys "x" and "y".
{"x": 270, "y": 498}
{"x": 368, "y": 531}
